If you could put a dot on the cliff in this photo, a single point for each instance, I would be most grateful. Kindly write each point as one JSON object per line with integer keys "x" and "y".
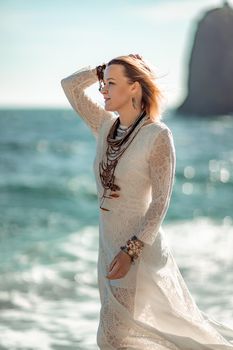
{"x": 210, "y": 71}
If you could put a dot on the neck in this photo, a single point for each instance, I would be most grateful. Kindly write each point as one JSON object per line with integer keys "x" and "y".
{"x": 127, "y": 117}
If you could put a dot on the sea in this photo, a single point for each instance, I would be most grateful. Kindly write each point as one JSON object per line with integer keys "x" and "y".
{"x": 49, "y": 295}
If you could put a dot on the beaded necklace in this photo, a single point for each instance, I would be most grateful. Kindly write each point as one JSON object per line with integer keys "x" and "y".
{"x": 115, "y": 149}
{"x": 120, "y": 131}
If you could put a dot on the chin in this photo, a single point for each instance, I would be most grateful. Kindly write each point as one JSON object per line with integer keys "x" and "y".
{"x": 109, "y": 109}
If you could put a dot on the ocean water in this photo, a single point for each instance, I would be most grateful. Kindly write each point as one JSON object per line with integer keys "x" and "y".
{"x": 49, "y": 224}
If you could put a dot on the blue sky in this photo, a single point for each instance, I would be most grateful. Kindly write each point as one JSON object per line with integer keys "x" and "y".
{"x": 46, "y": 40}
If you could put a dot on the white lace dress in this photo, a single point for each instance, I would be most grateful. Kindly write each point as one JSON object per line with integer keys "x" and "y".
{"x": 151, "y": 307}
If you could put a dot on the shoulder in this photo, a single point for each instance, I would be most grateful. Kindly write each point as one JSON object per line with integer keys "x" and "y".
{"x": 161, "y": 138}
{"x": 159, "y": 129}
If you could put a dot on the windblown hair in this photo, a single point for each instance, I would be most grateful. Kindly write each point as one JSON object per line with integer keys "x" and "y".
{"x": 137, "y": 69}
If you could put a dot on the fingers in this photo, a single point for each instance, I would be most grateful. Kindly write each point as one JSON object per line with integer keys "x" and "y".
{"x": 113, "y": 273}
{"x": 112, "y": 264}
{"x": 119, "y": 266}
{"x": 116, "y": 272}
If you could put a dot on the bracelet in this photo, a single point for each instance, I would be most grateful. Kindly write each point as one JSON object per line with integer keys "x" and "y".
{"x": 133, "y": 248}
{"x": 100, "y": 74}
{"x": 125, "y": 249}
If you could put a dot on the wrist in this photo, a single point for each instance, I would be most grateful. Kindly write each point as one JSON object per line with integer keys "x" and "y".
{"x": 125, "y": 249}
{"x": 133, "y": 248}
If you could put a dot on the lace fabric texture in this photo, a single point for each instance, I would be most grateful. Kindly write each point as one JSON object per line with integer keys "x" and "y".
{"x": 162, "y": 170}
{"x": 151, "y": 307}
{"x": 74, "y": 87}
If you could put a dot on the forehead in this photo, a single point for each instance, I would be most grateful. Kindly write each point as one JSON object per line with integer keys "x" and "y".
{"x": 115, "y": 71}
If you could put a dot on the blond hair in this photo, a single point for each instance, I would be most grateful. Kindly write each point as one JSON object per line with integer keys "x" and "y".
{"x": 137, "y": 69}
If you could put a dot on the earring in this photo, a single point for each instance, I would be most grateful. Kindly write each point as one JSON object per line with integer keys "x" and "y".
{"x": 134, "y": 103}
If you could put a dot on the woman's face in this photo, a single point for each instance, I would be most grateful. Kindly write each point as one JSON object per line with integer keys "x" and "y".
{"x": 117, "y": 91}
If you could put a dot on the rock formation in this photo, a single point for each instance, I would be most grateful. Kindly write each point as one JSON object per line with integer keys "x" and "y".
{"x": 210, "y": 75}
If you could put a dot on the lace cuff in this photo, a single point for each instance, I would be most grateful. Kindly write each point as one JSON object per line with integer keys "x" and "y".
{"x": 162, "y": 163}
{"x": 74, "y": 87}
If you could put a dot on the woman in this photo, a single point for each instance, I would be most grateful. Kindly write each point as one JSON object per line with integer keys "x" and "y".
{"x": 145, "y": 303}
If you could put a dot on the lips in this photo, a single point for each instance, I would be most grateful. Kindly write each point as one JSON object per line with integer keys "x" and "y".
{"x": 106, "y": 99}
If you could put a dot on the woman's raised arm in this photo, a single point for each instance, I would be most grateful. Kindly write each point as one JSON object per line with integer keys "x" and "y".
{"x": 74, "y": 87}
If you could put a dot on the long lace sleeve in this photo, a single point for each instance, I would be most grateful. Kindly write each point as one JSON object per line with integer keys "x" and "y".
{"x": 162, "y": 162}
{"x": 74, "y": 87}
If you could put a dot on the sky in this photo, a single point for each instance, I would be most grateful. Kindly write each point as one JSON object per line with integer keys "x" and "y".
{"x": 44, "y": 41}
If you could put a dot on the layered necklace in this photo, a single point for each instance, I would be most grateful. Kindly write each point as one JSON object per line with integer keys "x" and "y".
{"x": 115, "y": 149}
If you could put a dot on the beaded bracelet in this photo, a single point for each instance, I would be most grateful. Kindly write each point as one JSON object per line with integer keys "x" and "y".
{"x": 133, "y": 248}
{"x": 100, "y": 74}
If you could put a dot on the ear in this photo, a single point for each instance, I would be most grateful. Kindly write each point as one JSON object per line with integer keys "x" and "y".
{"x": 135, "y": 86}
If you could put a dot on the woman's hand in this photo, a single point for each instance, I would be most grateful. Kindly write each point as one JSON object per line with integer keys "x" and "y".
{"x": 119, "y": 266}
